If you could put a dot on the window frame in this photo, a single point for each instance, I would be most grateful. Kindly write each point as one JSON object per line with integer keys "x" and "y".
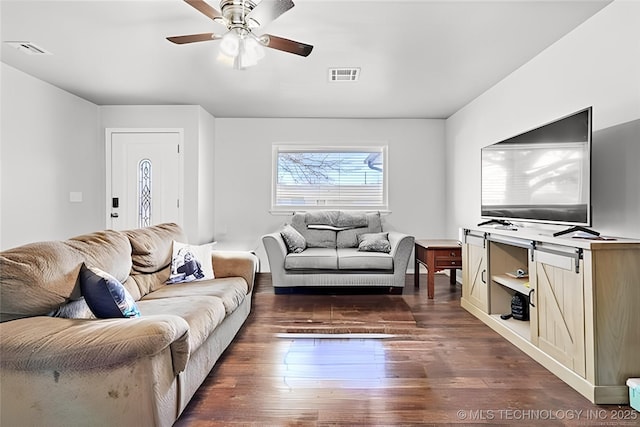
{"x": 364, "y": 147}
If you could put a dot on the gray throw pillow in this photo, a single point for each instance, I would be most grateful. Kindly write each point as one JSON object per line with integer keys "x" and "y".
{"x": 294, "y": 241}
{"x": 374, "y": 242}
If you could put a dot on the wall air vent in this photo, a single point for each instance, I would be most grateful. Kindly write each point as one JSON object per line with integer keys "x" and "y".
{"x": 344, "y": 74}
{"x": 28, "y": 48}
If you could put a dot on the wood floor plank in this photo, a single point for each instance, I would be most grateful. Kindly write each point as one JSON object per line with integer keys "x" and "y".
{"x": 439, "y": 366}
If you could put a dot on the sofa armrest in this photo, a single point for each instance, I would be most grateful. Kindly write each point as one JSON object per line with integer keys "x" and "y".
{"x": 53, "y": 343}
{"x": 235, "y": 264}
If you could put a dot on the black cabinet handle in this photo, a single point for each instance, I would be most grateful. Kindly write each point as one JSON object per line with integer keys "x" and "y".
{"x": 531, "y": 292}
{"x": 482, "y": 276}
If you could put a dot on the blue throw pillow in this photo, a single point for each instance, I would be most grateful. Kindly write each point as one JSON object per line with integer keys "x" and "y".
{"x": 105, "y": 295}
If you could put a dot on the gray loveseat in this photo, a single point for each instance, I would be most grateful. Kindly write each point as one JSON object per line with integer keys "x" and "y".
{"x": 77, "y": 370}
{"x": 332, "y": 254}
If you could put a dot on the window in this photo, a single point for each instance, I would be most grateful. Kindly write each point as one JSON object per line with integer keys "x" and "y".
{"x": 329, "y": 177}
{"x": 144, "y": 193}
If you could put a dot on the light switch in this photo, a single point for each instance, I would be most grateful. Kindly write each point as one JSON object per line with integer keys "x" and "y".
{"x": 75, "y": 196}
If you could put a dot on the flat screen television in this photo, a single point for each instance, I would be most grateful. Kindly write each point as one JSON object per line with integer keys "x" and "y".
{"x": 542, "y": 175}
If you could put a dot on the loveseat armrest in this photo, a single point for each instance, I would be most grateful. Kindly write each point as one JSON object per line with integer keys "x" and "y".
{"x": 59, "y": 344}
{"x": 276, "y": 251}
{"x": 401, "y": 248}
{"x": 235, "y": 264}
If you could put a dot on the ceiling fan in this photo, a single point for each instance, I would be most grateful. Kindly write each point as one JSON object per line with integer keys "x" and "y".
{"x": 241, "y": 17}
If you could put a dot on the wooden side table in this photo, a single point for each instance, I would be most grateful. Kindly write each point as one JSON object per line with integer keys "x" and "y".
{"x": 437, "y": 255}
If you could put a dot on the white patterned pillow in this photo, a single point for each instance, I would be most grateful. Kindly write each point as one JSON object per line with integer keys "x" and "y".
{"x": 190, "y": 263}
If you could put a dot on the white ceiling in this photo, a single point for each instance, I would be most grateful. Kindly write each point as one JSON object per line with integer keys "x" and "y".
{"x": 418, "y": 59}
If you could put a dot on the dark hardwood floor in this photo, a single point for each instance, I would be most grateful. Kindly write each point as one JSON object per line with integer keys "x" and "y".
{"x": 384, "y": 360}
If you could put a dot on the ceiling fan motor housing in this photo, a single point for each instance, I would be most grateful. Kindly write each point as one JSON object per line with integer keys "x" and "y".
{"x": 235, "y": 12}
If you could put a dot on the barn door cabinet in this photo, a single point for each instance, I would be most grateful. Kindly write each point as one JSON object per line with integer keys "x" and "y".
{"x": 584, "y": 303}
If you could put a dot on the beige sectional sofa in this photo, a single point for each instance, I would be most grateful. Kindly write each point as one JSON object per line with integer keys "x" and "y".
{"x": 61, "y": 367}
{"x": 332, "y": 255}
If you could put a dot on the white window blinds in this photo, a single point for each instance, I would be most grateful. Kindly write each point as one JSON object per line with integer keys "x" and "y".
{"x": 329, "y": 177}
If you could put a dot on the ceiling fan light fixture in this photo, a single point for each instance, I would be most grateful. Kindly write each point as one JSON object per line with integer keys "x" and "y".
{"x": 230, "y": 43}
{"x": 251, "y": 51}
{"x": 241, "y": 48}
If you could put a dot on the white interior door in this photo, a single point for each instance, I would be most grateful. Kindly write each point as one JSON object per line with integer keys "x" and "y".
{"x": 146, "y": 178}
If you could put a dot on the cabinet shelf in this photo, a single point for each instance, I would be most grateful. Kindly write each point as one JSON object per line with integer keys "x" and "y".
{"x": 520, "y": 327}
{"x": 516, "y": 284}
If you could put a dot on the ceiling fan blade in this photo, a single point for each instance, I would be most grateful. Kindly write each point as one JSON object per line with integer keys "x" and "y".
{"x": 268, "y": 10}
{"x": 192, "y": 38}
{"x": 286, "y": 45}
{"x": 204, "y": 8}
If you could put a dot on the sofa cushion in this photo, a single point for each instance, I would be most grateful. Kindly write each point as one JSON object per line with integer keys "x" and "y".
{"x": 105, "y": 295}
{"x": 312, "y": 259}
{"x": 107, "y": 250}
{"x": 38, "y": 278}
{"x": 232, "y": 291}
{"x": 353, "y": 259}
{"x": 190, "y": 263}
{"x": 75, "y": 346}
{"x": 152, "y": 247}
{"x": 374, "y": 242}
{"x": 202, "y": 313}
{"x": 151, "y": 282}
{"x": 349, "y": 238}
{"x": 294, "y": 241}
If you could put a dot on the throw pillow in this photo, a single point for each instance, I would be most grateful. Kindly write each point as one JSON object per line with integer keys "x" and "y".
{"x": 190, "y": 263}
{"x": 294, "y": 241}
{"x": 75, "y": 309}
{"x": 374, "y": 242}
{"x": 105, "y": 295}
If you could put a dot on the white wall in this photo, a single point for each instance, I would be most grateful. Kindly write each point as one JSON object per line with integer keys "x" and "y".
{"x": 598, "y": 64}
{"x": 206, "y": 178}
{"x": 243, "y": 173}
{"x": 198, "y": 150}
{"x": 50, "y": 146}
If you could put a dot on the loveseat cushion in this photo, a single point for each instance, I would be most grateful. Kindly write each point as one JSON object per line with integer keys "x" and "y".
{"x": 313, "y": 238}
{"x": 231, "y": 291}
{"x": 202, "y": 313}
{"x": 312, "y": 259}
{"x": 349, "y": 238}
{"x": 353, "y": 259}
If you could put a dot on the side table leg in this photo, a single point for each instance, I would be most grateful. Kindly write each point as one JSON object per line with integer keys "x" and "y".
{"x": 430, "y": 283}
{"x": 416, "y": 274}
{"x": 452, "y": 277}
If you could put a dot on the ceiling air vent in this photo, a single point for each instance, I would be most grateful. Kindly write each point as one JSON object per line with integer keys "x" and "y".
{"x": 28, "y": 48}
{"x": 344, "y": 74}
